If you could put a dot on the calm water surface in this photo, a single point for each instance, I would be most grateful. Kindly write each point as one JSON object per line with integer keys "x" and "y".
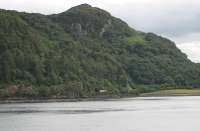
{"x": 133, "y": 114}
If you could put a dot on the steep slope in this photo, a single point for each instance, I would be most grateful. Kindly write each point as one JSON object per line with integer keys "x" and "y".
{"x": 85, "y": 20}
{"x": 84, "y": 50}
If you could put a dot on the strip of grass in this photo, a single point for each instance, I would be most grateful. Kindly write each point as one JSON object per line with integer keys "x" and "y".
{"x": 174, "y": 92}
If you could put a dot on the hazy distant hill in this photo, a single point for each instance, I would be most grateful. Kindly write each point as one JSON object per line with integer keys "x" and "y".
{"x": 84, "y": 50}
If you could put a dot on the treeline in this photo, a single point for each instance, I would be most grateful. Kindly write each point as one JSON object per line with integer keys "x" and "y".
{"x": 76, "y": 89}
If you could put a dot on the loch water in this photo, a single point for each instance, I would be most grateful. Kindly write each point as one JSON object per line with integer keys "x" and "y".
{"x": 127, "y": 114}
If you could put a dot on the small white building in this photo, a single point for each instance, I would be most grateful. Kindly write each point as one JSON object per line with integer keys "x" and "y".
{"x": 102, "y": 91}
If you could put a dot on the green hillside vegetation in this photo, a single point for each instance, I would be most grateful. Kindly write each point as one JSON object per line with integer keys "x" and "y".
{"x": 82, "y": 51}
{"x": 136, "y": 38}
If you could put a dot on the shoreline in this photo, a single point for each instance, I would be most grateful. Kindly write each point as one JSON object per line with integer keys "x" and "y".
{"x": 161, "y": 93}
{"x": 50, "y": 100}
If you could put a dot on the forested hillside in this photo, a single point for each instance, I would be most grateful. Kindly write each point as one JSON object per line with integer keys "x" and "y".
{"x": 82, "y": 51}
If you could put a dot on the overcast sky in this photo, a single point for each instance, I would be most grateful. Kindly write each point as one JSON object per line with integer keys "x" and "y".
{"x": 178, "y": 20}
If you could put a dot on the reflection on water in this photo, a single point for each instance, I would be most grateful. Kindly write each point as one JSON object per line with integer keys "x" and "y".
{"x": 128, "y": 114}
{"x": 59, "y": 111}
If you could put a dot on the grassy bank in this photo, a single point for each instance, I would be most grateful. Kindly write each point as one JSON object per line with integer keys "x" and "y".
{"x": 174, "y": 92}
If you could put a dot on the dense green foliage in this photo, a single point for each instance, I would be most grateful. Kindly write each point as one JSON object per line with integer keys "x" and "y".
{"x": 84, "y": 50}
